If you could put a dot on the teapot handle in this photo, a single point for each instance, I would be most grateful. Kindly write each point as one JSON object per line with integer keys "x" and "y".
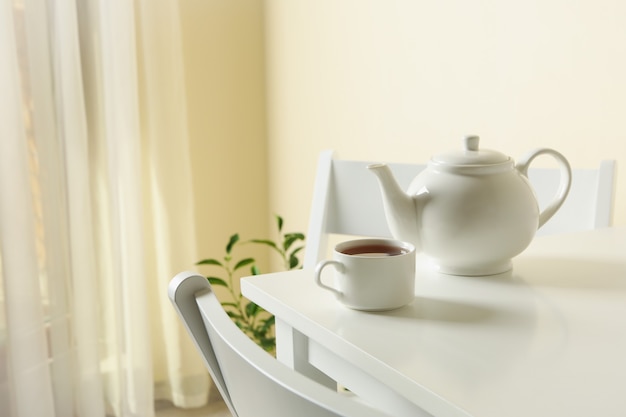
{"x": 564, "y": 186}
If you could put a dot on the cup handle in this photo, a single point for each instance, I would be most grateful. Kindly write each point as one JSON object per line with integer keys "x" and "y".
{"x": 318, "y": 275}
{"x": 564, "y": 186}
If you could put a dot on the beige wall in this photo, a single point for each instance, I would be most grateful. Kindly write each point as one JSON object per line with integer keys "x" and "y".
{"x": 224, "y": 64}
{"x": 401, "y": 80}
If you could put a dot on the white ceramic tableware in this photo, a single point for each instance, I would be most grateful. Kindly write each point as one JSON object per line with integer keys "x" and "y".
{"x": 471, "y": 211}
{"x": 371, "y": 274}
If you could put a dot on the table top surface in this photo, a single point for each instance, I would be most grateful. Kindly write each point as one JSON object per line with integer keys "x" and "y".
{"x": 545, "y": 339}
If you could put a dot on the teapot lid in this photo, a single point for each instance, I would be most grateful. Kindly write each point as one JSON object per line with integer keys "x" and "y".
{"x": 470, "y": 155}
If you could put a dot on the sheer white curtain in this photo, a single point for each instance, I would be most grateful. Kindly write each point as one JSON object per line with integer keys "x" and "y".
{"x": 95, "y": 209}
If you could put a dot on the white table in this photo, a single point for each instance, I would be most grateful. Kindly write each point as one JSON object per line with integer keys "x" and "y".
{"x": 547, "y": 339}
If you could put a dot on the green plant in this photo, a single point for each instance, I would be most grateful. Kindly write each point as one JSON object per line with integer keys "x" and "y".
{"x": 248, "y": 316}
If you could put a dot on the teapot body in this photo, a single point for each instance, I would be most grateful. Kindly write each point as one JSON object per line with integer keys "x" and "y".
{"x": 470, "y": 211}
{"x": 474, "y": 224}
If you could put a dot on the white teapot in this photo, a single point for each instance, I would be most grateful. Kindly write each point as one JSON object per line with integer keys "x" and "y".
{"x": 470, "y": 211}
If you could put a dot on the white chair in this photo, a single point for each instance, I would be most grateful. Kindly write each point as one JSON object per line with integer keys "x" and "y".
{"x": 347, "y": 201}
{"x": 252, "y": 382}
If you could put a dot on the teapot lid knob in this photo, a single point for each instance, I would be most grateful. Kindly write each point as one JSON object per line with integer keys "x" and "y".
{"x": 471, "y": 143}
{"x": 471, "y": 156}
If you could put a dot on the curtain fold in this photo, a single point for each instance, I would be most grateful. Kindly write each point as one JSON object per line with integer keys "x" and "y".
{"x": 96, "y": 210}
{"x": 23, "y": 364}
{"x": 167, "y": 178}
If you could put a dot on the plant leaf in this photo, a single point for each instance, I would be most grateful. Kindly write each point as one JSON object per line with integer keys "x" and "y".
{"x": 295, "y": 251}
{"x": 252, "y": 309}
{"x": 293, "y": 262}
{"x": 233, "y": 239}
{"x": 268, "y": 322}
{"x": 279, "y": 221}
{"x": 291, "y": 238}
{"x": 217, "y": 281}
{"x": 268, "y": 343}
{"x": 209, "y": 262}
{"x": 295, "y": 235}
{"x": 265, "y": 242}
{"x": 255, "y": 270}
{"x": 236, "y": 317}
{"x": 243, "y": 263}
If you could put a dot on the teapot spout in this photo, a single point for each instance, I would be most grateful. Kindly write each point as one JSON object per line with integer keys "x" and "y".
{"x": 400, "y": 208}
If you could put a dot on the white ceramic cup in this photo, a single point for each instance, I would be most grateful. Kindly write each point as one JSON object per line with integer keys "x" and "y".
{"x": 371, "y": 274}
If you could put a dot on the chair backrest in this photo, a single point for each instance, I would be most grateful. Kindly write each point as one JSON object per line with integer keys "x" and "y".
{"x": 252, "y": 382}
{"x": 347, "y": 200}
{"x": 589, "y": 204}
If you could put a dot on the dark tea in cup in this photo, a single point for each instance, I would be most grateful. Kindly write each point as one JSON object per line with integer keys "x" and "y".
{"x": 375, "y": 250}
